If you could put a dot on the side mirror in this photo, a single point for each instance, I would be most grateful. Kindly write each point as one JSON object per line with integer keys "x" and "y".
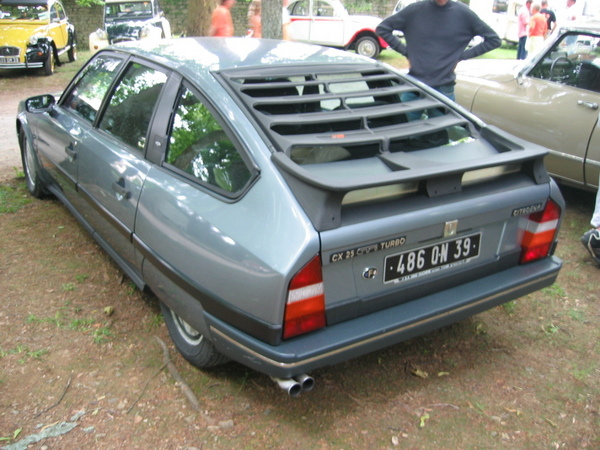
{"x": 40, "y": 103}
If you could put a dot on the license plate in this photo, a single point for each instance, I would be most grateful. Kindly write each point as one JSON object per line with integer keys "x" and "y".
{"x": 426, "y": 260}
{"x": 9, "y": 59}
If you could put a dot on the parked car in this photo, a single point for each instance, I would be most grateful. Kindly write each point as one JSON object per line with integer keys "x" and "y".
{"x": 130, "y": 20}
{"x": 551, "y": 99}
{"x": 327, "y": 22}
{"x": 295, "y": 214}
{"x": 34, "y": 34}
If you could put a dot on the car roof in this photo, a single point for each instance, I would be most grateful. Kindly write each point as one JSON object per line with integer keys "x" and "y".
{"x": 592, "y": 25}
{"x": 26, "y": 2}
{"x": 207, "y": 54}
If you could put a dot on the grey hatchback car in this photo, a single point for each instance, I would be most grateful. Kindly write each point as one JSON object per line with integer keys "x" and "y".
{"x": 289, "y": 210}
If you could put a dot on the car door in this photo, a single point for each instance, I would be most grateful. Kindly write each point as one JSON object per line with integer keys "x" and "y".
{"x": 72, "y": 122}
{"x": 58, "y": 26}
{"x": 300, "y": 20}
{"x": 552, "y": 105}
{"x": 112, "y": 164}
{"x": 326, "y": 24}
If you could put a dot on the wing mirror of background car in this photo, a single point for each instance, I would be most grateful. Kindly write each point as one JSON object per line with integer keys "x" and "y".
{"x": 40, "y": 103}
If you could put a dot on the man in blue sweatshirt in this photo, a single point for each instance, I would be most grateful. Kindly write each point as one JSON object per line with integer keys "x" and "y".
{"x": 437, "y": 34}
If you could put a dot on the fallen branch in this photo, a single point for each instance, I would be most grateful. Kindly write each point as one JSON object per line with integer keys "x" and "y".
{"x": 59, "y": 400}
{"x": 178, "y": 378}
{"x": 146, "y": 386}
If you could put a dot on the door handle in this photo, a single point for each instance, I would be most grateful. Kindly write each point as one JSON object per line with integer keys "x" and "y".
{"x": 71, "y": 152}
{"x": 590, "y": 105}
{"x": 119, "y": 188}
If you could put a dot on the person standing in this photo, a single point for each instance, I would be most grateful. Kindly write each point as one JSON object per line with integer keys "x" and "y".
{"x": 221, "y": 24}
{"x": 550, "y": 17}
{"x": 254, "y": 19}
{"x": 437, "y": 34}
{"x": 538, "y": 26}
{"x": 523, "y": 22}
{"x": 572, "y": 12}
{"x": 591, "y": 238}
{"x": 286, "y": 20}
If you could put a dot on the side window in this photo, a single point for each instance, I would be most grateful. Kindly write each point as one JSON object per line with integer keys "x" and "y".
{"x": 322, "y": 9}
{"x": 573, "y": 61}
{"x": 53, "y": 13}
{"x": 86, "y": 97}
{"x": 300, "y": 8}
{"x": 60, "y": 12}
{"x": 132, "y": 104}
{"x": 199, "y": 147}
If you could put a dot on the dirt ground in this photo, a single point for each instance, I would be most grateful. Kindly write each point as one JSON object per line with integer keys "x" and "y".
{"x": 82, "y": 363}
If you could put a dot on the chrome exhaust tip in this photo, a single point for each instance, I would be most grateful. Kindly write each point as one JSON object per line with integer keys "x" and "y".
{"x": 306, "y": 381}
{"x": 291, "y": 386}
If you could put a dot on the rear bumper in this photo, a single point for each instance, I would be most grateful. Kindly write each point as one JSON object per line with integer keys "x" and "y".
{"x": 363, "y": 335}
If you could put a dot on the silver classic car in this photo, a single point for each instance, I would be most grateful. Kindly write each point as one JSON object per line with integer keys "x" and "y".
{"x": 285, "y": 205}
{"x": 551, "y": 99}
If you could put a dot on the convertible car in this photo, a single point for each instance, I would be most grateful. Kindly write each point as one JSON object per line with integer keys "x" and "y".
{"x": 551, "y": 99}
{"x": 285, "y": 205}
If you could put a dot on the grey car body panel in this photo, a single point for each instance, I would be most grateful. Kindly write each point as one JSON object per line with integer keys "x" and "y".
{"x": 378, "y": 330}
{"x": 223, "y": 262}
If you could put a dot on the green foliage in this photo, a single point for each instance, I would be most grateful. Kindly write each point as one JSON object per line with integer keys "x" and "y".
{"x": 23, "y": 350}
{"x": 200, "y": 147}
{"x": 194, "y": 122}
{"x": 509, "y": 307}
{"x": 13, "y": 199}
{"x": 89, "y": 3}
{"x": 101, "y": 335}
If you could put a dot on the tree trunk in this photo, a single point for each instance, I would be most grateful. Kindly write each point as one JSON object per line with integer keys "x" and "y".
{"x": 271, "y": 19}
{"x": 199, "y": 12}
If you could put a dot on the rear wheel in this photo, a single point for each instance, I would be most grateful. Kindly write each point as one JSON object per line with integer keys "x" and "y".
{"x": 192, "y": 345}
{"x": 35, "y": 185}
{"x": 72, "y": 53}
{"x": 367, "y": 46}
{"x": 49, "y": 63}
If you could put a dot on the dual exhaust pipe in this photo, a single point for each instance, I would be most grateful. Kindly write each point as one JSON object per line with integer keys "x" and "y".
{"x": 296, "y": 385}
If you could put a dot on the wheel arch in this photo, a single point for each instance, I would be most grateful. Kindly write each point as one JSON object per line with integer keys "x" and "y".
{"x": 364, "y": 33}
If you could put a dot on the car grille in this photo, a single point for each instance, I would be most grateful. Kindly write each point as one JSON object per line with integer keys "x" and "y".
{"x": 122, "y": 39}
{"x": 9, "y": 51}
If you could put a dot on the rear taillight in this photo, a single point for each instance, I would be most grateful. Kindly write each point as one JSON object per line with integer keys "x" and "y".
{"x": 539, "y": 233}
{"x": 305, "y": 306}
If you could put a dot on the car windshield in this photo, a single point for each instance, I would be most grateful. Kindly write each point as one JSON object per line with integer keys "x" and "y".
{"x": 128, "y": 10}
{"x": 24, "y": 12}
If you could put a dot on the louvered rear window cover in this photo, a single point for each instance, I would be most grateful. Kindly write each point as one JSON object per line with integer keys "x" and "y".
{"x": 347, "y": 111}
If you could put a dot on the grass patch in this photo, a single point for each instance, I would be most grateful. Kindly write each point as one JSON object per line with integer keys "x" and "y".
{"x": 12, "y": 198}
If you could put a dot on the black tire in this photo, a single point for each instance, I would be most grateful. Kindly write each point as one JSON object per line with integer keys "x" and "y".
{"x": 35, "y": 185}
{"x": 49, "y": 63}
{"x": 367, "y": 46}
{"x": 72, "y": 53}
{"x": 192, "y": 345}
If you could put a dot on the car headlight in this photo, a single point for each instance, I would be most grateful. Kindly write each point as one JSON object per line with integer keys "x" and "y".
{"x": 144, "y": 32}
{"x": 33, "y": 40}
{"x": 101, "y": 34}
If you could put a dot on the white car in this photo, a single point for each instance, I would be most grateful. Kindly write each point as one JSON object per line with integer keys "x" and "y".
{"x": 327, "y": 22}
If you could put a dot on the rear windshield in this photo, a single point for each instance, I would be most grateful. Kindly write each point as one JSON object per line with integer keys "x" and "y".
{"x": 327, "y": 114}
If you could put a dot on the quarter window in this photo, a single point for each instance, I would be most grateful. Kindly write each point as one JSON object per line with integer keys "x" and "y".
{"x": 131, "y": 105}
{"x": 86, "y": 98}
{"x": 200, "y": 147}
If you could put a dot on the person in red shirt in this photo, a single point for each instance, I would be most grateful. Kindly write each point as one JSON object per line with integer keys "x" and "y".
{"x": 538, "y": 27}
{"x": 221, "y": 24}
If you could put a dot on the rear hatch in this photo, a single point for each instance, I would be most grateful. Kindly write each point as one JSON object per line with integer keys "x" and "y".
{"x": 410, "y": 195}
